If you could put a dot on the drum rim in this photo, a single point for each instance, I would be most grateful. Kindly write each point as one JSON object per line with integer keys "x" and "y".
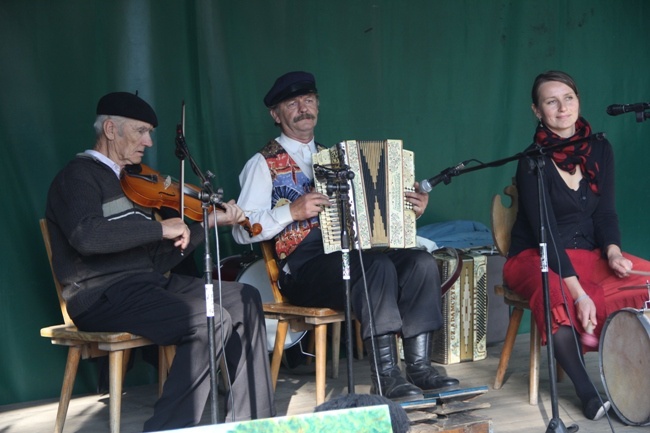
{"x": 293, "y": 337}
{"x": 646, "y": 326}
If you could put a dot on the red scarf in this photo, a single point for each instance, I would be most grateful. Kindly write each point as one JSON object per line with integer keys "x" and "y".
{"x": 578, "y": 154}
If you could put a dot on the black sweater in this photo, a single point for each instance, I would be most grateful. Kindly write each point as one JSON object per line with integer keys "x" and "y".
{"x": 99, "y": 236}
{"x": 577, "y": 219}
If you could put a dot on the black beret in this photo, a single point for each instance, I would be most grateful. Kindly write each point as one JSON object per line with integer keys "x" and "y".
{"x": 126, "y": 104}
{"x": 289, "y": 85}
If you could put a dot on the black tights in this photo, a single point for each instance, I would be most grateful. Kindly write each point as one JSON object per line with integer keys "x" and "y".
{"x": 569, "y": 356}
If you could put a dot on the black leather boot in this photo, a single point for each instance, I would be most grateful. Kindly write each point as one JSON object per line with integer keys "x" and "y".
{"x": 417, "y": 356}
{"x": 387, "y": 373}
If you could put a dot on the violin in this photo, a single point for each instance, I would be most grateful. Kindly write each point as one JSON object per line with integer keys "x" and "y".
{"x": 147, "y": 187}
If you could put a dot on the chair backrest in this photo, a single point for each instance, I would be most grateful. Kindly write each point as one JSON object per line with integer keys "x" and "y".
{"x": 503, "y": 218}
{"x": 48, "y": 248}
{"x": 272, "y": 269}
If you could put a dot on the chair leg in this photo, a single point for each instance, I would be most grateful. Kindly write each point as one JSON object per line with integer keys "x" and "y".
{"x": 71, "y": 365}
{"x": 223, "y": 368}
{"x": 278, "y": 349}
{"x": 125, "y": 362}
{"x": 165, "y": 358}
{"x": 311, "y": 343}
{"x": 511, "y": 335}
{"x": 115, "y": 373}
{"x": 336, "y": 348}
{"x": 162, "y": 369}
{"x": 535, "y": 343}
{"x": 320, "y": 336}
{"x": 357, "y": 328}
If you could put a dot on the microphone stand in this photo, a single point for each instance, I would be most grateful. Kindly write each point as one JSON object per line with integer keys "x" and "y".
{"x": 536, "y": 154}
{"x": 338, "y": 182}
{"x": 207, "y": 197}
{"x": 642, "y": 116}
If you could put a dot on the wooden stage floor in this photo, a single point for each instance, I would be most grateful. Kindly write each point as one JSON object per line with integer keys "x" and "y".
{"x": 508, "y": 409}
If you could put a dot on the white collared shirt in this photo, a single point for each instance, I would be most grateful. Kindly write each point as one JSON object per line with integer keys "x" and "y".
{"x": 105, "y": 160}
{"x": 257, "y": 190}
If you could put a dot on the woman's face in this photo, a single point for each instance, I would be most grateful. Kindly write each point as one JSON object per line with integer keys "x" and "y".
{"x": 558, "y": 108}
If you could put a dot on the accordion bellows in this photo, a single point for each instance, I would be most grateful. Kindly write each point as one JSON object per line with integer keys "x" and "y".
{"x": 463, "y": 336}
{"x": 377, "y": 213}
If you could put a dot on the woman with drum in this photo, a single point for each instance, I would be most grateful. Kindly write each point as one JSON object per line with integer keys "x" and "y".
{"x": 586, "y": 264}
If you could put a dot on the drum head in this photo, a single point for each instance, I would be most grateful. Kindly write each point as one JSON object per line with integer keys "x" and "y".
{"x": 255, "y": 275}
{"x": 625, "y": 364}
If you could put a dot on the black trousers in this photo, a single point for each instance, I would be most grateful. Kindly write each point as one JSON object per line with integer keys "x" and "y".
{"x": 172, "y": 311}
{"x": 403, "y": 289}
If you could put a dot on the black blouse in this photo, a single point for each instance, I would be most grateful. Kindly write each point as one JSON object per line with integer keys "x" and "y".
{"x": 576, "y": 219}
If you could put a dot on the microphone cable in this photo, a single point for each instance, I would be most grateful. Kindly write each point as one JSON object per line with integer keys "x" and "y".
{"x": 221, "y": 323}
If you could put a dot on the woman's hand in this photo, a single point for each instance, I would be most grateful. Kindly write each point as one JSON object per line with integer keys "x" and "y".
{"x": 619, "y": 264}
{"x": 586, "y": 310}
{"x": 585, "y": 307}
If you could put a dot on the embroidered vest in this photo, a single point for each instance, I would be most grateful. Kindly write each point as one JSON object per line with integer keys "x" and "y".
{"x": 289, "y": 183}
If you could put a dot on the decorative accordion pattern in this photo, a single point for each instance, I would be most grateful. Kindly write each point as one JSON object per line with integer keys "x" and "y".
{"x": 463, "y": 336}
{"x": 377, "y": 214}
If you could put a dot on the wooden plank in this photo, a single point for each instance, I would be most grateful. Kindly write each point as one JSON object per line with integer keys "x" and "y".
{"x": 285, "y": 308}
{"x": 509, "y": 411}
{"x": 456, "y": 423}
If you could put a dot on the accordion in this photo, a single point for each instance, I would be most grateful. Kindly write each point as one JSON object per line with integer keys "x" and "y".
{"x": 376, "y": 212}
{"x": 463, "y": 336}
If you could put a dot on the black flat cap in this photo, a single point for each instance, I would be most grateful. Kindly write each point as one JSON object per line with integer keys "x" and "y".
{"x": 289, "y": 85}
{"x": 126, "y": 104}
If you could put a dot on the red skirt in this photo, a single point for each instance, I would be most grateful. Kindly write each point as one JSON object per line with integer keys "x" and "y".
{"x": 522, "y": 274}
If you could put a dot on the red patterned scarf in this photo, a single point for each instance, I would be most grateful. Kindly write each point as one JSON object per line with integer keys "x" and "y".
{"x": 578, "y": 154}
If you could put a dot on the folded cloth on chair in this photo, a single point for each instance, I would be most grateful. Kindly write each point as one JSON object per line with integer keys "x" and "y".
{"x": 457, "y": 234}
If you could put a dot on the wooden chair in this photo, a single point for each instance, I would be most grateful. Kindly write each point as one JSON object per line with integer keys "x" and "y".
{"x": 303, "y": 318}
{"x": 85, "y": 345}
{"x": 503, "y": 218}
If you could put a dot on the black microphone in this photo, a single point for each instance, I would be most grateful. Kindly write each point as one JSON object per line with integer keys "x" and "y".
{"x": 616, "y": 109}
{"x": 427, "y": 185}
{"x": 324, "y": 173}
{"x": 181, "y": 146}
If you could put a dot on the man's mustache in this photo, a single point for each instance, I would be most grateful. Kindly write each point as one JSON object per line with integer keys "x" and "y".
{"x": 304, "y": 116}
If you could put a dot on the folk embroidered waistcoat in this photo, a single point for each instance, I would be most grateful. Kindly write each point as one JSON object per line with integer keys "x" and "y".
{"x": 289, "y": 183}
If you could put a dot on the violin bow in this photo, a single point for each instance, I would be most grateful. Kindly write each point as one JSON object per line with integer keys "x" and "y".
{"x": 181, "y": 155}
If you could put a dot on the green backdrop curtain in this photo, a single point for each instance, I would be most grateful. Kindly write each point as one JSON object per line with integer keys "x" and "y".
{"x": 451, "y": 78}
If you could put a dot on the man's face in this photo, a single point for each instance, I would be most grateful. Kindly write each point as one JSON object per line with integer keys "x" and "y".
{"x": 129, "y": 140}
{"x": 297, "y": 116}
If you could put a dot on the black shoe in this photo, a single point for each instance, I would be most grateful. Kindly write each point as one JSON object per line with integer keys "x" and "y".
{"x": 595, "y": 409}
{"x": 417, "y": 355}
{"x": 428, "y": 379}
{"x": 396, "y": 388}
{"x": 387, "y": 373}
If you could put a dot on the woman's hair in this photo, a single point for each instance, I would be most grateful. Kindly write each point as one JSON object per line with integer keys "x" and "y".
{"x": 545, "y": 77}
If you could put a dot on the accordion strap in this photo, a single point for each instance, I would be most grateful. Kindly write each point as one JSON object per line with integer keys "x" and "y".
{"x": 453, "y": 276}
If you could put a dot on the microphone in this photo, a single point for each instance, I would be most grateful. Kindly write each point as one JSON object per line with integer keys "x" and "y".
{"x": 616, "y": 109}
{"x": 181, "y": 146}
{"x": 341, "y": 174}
{"x": 427, "y": 185}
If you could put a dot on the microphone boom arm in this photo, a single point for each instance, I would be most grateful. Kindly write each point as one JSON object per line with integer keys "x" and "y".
{"x": 445, "y": 176}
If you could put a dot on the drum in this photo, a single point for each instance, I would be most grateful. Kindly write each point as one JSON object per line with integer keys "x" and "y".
{"x": 252, "y": 270}
{"x": 625, "y": 364}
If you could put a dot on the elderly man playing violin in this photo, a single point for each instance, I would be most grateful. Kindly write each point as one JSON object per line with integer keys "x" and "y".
{"x": 112, "y": 258}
